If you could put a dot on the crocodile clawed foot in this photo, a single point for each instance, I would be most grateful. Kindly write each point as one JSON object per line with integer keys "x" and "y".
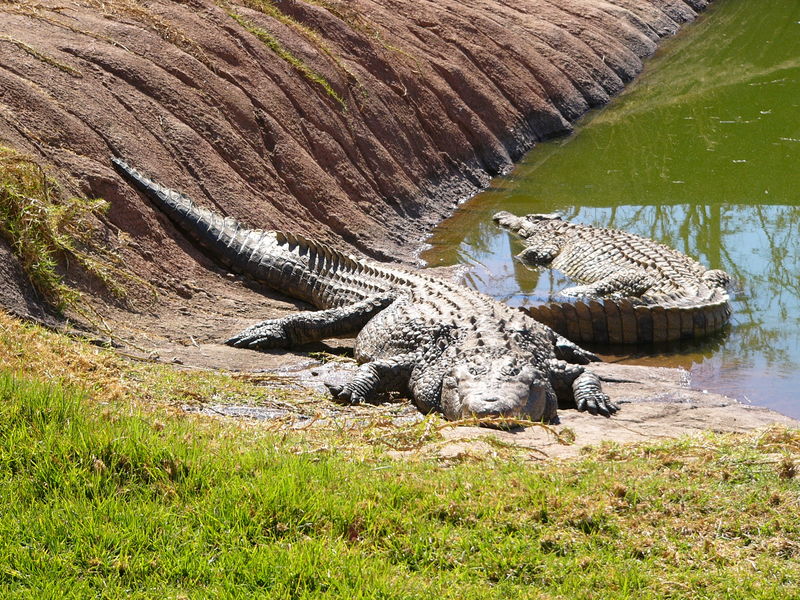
{"x": 263, "y": 336}
{"x": 590, "y": 397}
{"x": 343, "y": 395}
{"x": 598, "y": 404}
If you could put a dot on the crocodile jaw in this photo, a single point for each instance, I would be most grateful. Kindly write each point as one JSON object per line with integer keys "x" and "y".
{"x": 495, "y": 393}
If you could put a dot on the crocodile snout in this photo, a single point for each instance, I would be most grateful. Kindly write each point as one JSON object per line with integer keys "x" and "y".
{"x": 497, "y": 386}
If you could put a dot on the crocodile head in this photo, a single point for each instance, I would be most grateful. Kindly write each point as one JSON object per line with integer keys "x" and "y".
{"x": 485, "y": 384}
{"x": 523, "y": 226}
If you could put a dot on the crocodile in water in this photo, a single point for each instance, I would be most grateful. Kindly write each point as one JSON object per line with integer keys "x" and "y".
{"x": 450, "y": 349}
{"x": 634, "y": 290}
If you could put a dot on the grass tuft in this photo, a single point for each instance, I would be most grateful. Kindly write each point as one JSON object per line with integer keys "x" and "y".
{"x": 44, "y": 225}
{"x": 42, "y": 57}
{"x": 165, "y": 29}
{"x": 273, "y": 44}
{"x": 268, "y": 7}
{"x": 346, "y": 13}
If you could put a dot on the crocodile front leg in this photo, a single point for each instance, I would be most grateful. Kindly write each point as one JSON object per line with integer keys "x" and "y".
{"x": 311, "y": 326}
{"x": 388, "y": 374}
{"x": 575, "y": 386}
{"x": 628, "y": 283}
{"x": 571, "y": 352}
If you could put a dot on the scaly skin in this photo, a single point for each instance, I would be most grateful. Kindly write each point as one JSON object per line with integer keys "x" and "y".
{"x": 451, "y": 349}
{"x": 634, "y": 290}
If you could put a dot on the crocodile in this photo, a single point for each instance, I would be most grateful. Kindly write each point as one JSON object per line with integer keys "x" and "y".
{"x": 632, "y": 289}
{"x": 448, "y": 348}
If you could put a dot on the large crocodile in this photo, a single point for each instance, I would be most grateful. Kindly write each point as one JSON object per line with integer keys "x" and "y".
{"x": 634, "y": 290}
{"x": 451, "y": 349}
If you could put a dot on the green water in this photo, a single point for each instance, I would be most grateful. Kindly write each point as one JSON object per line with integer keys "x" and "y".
{"x": 701, "y": 153}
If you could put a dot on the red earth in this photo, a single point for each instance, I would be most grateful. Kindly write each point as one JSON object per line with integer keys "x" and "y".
{"x": 360, "y": 122}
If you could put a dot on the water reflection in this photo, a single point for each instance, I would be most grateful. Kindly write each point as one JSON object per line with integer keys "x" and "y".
{"x": 701, "y": 154}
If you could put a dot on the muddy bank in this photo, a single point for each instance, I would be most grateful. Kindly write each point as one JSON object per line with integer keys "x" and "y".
{"x": 358, "y": 122}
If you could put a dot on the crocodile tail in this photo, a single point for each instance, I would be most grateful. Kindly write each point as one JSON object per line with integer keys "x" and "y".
{"x": 221, "y": 236}
{"x": 623, "y": 322}
{"x": 290, "y": 263}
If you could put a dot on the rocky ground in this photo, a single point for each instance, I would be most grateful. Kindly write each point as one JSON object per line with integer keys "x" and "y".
{"x": 655, "y": 404}
{"x": 360, "y": 122}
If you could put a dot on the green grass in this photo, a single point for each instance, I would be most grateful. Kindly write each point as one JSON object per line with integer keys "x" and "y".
{"x": 270, "y": 9}
{"x": 107, "y": 489}
{"x": 48, "y": 229}
{"x": 271, "y": 42}
{"x": 111, "y": 502}
{"x": 41, "y": 56}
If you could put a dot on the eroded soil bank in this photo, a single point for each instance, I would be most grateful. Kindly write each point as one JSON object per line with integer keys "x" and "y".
{"x": 358, "y": 122}
{"x": 361, "y": 123}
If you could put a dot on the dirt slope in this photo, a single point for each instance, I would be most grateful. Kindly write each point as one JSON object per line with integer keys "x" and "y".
{"x": 359, "y": 122}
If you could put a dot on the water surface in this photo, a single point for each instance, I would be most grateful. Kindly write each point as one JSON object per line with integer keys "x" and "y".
{"x": 701, "y": 153}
